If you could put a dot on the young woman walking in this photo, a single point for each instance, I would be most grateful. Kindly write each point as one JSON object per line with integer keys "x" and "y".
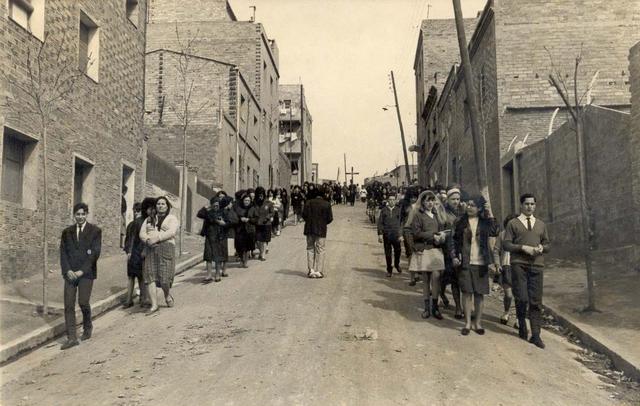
{"x": 216, "y": 225}
{"x": 471, "y": 251}
{"x": 158, "y": 233}
{"x": 427, "y": 255}
{"x": 261, "y": 215}
{"x": 245, "y": 230}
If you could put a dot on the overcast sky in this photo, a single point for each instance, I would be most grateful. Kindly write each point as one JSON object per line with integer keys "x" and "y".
{"x": 342, "y": 51}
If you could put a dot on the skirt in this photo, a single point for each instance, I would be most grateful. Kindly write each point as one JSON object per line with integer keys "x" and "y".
{"x": 160, "y": 264}
{"x": 216, "y": 250}
{"x": 427, "y": 261}
{"x": 263, "y": 233}
{"x": 474, "y": 279}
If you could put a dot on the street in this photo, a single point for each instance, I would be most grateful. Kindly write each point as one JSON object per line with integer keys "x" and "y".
{"x": 268, "y": 335}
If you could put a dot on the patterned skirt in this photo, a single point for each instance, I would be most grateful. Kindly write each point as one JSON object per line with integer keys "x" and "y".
{"x": 160, "y": 264}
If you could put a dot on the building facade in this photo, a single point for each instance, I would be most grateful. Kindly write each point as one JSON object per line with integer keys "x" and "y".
{"x": 296, "y": 137}
{"x": 95, "y": 142}
{"x": 212, "y": 32}
{"x": 396, "y": 177}
{"x": 513, "y": 49}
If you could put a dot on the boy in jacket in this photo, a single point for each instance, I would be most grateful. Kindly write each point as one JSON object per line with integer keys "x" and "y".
{"x": 390, "y": 233}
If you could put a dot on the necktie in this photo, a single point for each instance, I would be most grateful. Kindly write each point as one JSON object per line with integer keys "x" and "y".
{"x": 529, "y": 224}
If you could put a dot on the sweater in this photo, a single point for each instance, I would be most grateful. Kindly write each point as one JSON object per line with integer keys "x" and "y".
{"x": 389, "y": 223}
{"x": 516, "y": 235}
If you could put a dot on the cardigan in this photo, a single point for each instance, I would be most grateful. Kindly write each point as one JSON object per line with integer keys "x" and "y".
{"x": 167, "y": 232}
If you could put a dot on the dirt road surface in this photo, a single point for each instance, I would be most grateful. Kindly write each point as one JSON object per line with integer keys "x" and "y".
{"x": 268, "y": 335}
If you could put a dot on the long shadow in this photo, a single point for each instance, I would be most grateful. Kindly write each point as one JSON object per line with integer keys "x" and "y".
{"x": 301, "y": 274}
{"x": 397, "y": 281}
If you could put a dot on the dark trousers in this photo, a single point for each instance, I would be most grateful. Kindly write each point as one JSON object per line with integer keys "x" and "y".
{"x": 83, "y": 291}
{"x": 527, "y": 289}
{"x": 392, "y": 244}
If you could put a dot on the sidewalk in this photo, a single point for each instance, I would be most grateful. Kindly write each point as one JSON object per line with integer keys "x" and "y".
{"x": 615, "y": 329}
{"x": 21, "y": 300}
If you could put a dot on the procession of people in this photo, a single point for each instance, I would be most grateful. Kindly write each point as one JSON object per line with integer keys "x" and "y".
{"x": 450, "y": 238}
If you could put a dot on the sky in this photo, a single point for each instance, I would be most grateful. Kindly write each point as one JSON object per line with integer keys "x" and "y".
{"x": 342, "y": 52}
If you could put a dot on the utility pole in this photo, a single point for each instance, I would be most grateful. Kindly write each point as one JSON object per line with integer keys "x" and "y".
{"x": 404, "y": 144}
{"x": 345, "y": 168}
{"x": 472, "y": 104}
{"x": 302, "y": 148}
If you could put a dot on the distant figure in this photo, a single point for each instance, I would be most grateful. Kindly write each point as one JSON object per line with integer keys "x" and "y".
{"x": 216, "y": 224}
{"x": 526, "y": 238}
{"x": 134, "y": 248}
{"x": 123, "y": 216}
{"x": 80, "y": 246}
{"x": 317, "y": 215}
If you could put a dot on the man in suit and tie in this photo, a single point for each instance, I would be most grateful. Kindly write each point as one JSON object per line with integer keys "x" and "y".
{"x": 79, "y": 252}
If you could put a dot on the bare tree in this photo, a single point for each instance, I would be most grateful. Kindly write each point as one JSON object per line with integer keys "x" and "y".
{"x": 51, "y": 78}
{"x": 186, "y": 108}
{"x": 576, "y": 109}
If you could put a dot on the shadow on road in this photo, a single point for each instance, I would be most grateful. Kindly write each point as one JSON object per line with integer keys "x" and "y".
{"x": 301, "y": 274}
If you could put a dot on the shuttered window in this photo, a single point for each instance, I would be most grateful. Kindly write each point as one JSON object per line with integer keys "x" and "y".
{"x": 13, "y": 151}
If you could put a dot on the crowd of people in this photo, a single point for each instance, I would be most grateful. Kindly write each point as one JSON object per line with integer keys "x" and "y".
{"x": 452, "y": 238}
{"x": 251, "y": 218}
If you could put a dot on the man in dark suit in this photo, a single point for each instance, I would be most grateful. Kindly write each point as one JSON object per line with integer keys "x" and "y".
{"x": 316, "y": 214}
{"x": 80, "y": 246}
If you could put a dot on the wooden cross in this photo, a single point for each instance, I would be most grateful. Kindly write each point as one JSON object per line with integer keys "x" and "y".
{"x": 352, "y": 173}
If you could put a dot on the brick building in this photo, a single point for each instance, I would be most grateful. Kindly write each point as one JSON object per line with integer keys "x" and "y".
{"x": 508, "y": 50}
{"x": 634, "y": 145}
{"x": 396, "y": 177}
{"x": 95, "y": 141}
{"x": 296, "y": 126}
{"x": 216, "y": 35}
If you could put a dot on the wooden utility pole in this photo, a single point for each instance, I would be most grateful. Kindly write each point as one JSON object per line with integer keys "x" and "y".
{"x": 404, "y": 144}
{"x": 345, "y": 168}
{"x": 472, "y": 104}
{"x": 302, "y": 148}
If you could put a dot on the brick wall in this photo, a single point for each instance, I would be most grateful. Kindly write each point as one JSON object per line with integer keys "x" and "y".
{"x": 99, "y": 121}
{"x": 197, "y": 10}
{"x": 634, "y": 147}
{"x": 604, "y": 29}
{"x": 609, "y": 184}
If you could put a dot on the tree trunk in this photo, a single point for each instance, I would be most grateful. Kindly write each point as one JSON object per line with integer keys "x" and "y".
{"x": 45, "y": 248}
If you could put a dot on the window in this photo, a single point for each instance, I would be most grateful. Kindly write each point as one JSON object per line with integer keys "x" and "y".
{"x": 242, "y": 102}
{"x": 19, "y": 169}
{"x": 272, "y": 85}
{"x": 255, "y": 120}
{"x": 83, "y": 182}
{"x": 88, "y": 46}
{"x": 29, "y": 14}
{"x": 132, "y": 11}
{"x": 287, "y": 104}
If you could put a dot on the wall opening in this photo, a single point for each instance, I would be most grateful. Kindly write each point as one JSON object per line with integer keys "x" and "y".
{"x": 83, "y": 183}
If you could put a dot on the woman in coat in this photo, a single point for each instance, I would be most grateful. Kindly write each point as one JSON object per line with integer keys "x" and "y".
{"x": 297, "y": 202}
{"x": 158, "y": 233}
{"x": 470, "y": 249}
{"x": 427, "y": 256}
{"x": 216, "y": 224}
{"x": 134, "y": 247}
{"x": 261, "y": 215}
{"x": 245, "y": 231}
{"x": 284, "y": 198}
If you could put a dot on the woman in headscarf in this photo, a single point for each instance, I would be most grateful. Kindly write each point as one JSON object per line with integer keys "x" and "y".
{"x": 261, "y": 215}
{"x": 428, "y": 258}
{"x": 471, "y": 250}
{"x": 216, "y": 223}
{"x": 244, "y": 241}
{"x": 297, "y": 202}
{"x": 284, "y": 198}
{"x": 134, "y": 247}
{"x": 409, "y": 206}
{"x": 158, "y": 233}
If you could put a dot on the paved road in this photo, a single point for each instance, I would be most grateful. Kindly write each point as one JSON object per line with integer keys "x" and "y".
{"x": 267, "y": 335}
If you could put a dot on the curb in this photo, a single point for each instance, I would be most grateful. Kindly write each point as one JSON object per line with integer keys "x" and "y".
{"x": 40, "y": 336}
{"x": 595, "y": 344}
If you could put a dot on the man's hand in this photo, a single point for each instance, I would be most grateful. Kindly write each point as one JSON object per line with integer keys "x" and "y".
{"x": 456, "y": 262}
{"x": 220, "y": 222}
{"x": 78, "y": 274}
{"x": 380, "y": 239}
{"x": 529, "y": 250}
{"x": 71, "y": 276}
{"x": 539, "y": 249}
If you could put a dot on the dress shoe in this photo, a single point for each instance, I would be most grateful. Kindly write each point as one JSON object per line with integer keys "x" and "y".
{"x": 465, "y": 331}
{"x": 86, "y": 334}
{"x": 68, "y": 344}
{"x": 398, "y": 269}
{"x": 523, "y": 332}
{"x": 537, "y": 341}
